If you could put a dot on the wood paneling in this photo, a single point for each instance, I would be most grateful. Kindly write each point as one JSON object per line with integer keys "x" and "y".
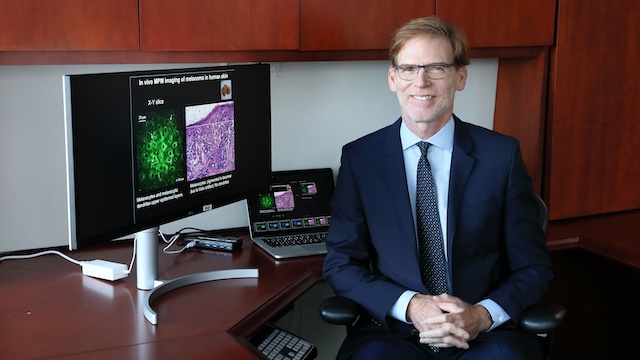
{"x": 595, "y": 127}
{"x": 218, "y": 25}
{"x": 29, "y": 25}
{"x": 355, "y": 24}
{"x": 521, "y": 108}
{"x": 496, "y": 23}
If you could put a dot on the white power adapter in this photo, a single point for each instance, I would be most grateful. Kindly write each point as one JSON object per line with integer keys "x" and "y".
{"x": 106, "y": 270}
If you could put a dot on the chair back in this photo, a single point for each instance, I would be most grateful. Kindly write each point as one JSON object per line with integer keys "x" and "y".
{"x": 543, "y": 213}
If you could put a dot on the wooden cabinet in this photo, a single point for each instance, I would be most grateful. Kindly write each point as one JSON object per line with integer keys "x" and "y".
{"x": 248, "y": 30}
{"x": 360, "y": 25}
{"x": 355, "y": 24}
{"x": 188, "y": 25}
{"x": 499, "y": 23}
{"x": 594, "y": 132}
{"x": 29, "y": 25}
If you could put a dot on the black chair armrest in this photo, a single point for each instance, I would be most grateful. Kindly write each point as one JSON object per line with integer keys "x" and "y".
{"x": 339, "y": 310}
{"x": 538, "y": 319}
{"x": 543, "y": 318}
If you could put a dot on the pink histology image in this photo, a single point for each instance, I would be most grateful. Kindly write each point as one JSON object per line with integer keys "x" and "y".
{"x": 210, "y": 140}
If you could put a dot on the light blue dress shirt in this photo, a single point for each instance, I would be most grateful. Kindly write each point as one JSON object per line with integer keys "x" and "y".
{"x": 439, "y": 156}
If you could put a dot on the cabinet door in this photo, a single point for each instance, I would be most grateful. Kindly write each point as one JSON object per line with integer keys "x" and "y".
{"x": 218, "y": 25}
{"x": 355, "y": 24}
{"x": 595, "y": 127}
{"x": 69, "y": 25}
{"x": 500, "y": 23}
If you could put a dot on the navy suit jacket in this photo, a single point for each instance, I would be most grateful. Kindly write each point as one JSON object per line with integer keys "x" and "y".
{"x": 496, "y": 247}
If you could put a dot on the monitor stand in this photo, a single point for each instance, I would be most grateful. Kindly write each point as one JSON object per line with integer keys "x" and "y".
{"x": 147, "y": 272}
{"x": 147, "y": 258}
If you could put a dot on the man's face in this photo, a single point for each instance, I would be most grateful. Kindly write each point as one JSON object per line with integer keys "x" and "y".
{"x": 423, "y": 99}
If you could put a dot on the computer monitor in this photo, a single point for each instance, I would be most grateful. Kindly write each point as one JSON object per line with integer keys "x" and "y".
{"x": 148, "y": 147}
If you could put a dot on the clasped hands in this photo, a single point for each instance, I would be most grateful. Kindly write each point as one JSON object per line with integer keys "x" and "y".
{"x": 447, "y": 321}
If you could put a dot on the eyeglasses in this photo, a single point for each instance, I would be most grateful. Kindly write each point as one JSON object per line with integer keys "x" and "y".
{"x": 433, "y": 71}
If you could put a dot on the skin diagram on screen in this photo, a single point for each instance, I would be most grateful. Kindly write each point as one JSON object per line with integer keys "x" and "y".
{"x": 210, "y": 139}
{"x": 284, "y": 198}
{"x": 309, "y": 188}
{"x": 160, "y": 156}
{"x": 184, "y": 138}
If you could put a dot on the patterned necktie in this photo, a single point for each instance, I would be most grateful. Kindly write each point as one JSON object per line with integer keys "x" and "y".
{"x": 431, "y": 248}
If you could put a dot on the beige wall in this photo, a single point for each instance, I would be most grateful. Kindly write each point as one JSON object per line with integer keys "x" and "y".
{"x": 340, "y": 101}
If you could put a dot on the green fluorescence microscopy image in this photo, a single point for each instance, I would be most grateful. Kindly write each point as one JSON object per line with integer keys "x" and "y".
{"x": 160, "y": 151}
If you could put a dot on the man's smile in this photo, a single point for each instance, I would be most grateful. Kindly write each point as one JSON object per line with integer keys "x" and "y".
{"x": 422, "y": 97}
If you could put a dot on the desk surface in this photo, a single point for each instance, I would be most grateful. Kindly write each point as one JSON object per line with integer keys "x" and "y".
{"x": 49, "y": 309}
{"x": 614, "y": 236}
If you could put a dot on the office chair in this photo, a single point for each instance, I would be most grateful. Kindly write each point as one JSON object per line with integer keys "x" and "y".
{"x": 541, "y": 319}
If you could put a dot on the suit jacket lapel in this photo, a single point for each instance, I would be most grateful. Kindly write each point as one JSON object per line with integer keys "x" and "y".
{"x": 393, "y": 165}
{"x": 461, "y": 165}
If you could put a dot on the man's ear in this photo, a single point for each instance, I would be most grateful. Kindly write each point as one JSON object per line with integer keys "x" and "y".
{"x": 391, "y": 76}
{"x": 462, "y": 78}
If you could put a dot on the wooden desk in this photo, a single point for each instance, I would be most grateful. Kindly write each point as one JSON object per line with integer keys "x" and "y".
{"x": 48, "y": 309}
{"x": 614, "y": 236}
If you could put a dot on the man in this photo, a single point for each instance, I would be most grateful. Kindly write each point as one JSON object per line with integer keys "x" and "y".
{"x": 495, "y": 259}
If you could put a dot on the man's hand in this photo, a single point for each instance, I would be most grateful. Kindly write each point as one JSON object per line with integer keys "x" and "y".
{"x": 446, "y": 321}
{"x": 426, "y": 313}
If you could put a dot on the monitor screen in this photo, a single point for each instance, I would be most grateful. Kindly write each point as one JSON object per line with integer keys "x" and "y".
{"x": 149, "y": 147}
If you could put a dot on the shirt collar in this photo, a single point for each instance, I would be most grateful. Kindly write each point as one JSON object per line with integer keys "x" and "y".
{"x": 442, "y": 139}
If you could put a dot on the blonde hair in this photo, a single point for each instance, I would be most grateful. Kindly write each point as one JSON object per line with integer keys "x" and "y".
{"x": 431, "y": 26}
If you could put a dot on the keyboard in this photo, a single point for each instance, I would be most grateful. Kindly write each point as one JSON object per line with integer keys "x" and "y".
{"x": 279, "y": 344}
{"x": 300, "y": 239}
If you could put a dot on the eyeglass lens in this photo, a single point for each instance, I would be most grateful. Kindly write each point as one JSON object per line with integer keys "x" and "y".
{"x": 433, "y": 71}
